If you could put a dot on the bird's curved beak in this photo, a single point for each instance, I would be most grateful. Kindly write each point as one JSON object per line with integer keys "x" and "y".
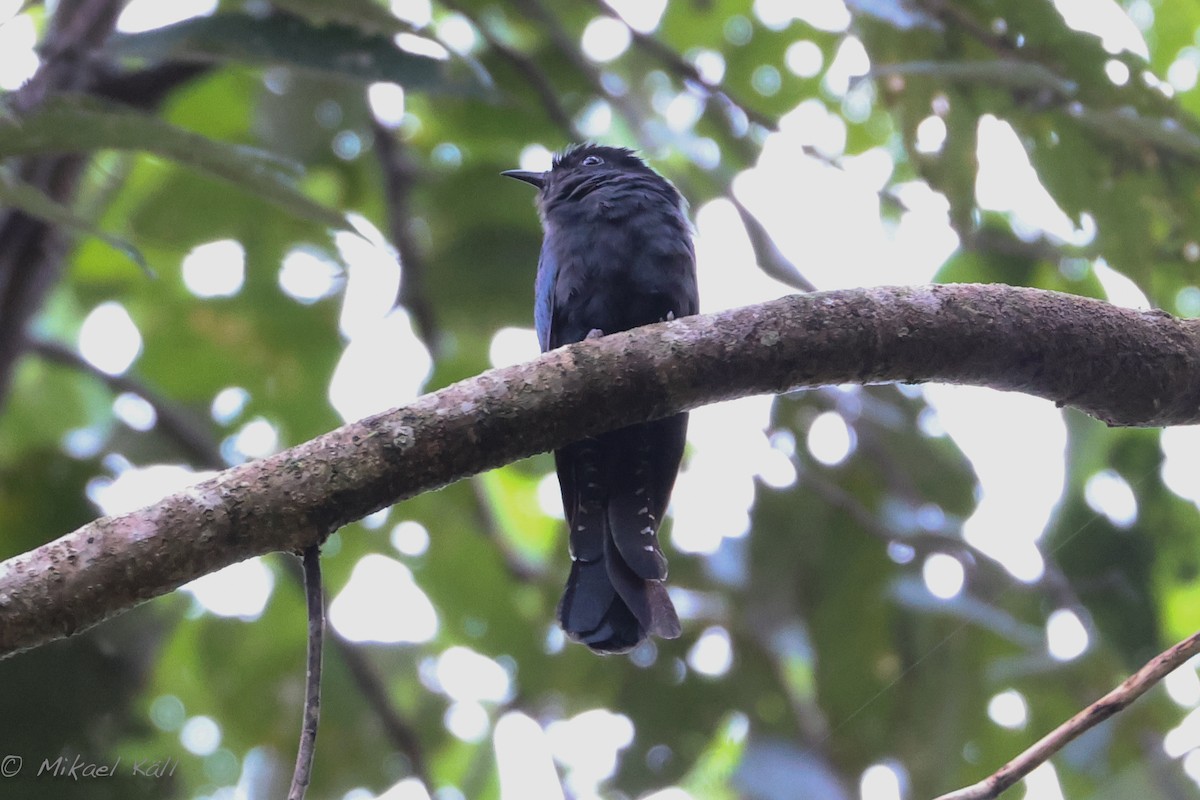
{"x": 538, "y": 179}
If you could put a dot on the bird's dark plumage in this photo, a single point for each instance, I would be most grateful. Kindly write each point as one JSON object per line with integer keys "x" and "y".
{"x": 617, "y": 254}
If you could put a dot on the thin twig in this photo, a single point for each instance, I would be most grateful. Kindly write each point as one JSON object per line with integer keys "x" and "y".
{"x": 312, "y": 674}
{"x": 686, "y": 71}
{"x": 399, "y": 175}
{"x": 537, "y": 79}
{"x": 175, "y": 423}
{"x": 1130, "y": 689}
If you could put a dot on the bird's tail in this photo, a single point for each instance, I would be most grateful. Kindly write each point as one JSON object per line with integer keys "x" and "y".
{"x": 615, "y": 490}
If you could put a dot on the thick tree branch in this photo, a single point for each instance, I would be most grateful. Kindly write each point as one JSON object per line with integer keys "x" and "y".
{"x": 1123, "y": 366}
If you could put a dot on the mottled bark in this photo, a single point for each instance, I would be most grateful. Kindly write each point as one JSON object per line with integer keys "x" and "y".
{"x": 1125, "y": 367}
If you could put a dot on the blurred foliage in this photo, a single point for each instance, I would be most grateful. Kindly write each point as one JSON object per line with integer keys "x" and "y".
{"x": 841, "y": 658}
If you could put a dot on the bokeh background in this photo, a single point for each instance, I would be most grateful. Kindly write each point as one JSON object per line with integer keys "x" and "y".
{"x": 886, "y": 592}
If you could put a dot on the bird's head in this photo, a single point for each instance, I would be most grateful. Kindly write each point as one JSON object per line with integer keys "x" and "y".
{"x": 580, "y": 170}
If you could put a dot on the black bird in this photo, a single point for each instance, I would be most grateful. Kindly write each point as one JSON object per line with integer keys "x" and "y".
{"x": 617, "y": 254}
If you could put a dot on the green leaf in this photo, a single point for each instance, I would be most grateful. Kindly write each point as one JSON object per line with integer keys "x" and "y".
{"x": 76, "y": 124}
{"x": 365, "y": 15}
{"x": 332, "y": 49}
{"x": 33, "y": 201}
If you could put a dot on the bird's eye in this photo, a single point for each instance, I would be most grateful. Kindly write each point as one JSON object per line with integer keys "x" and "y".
{"x": 592, "y": 161}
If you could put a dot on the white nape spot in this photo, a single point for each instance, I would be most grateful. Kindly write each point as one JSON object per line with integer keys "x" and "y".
{"x": 134, "y": 411}
{"x": 200, "y": 736}
{"x": 641, "y": 15}
{"x": 456, "y": 32}
{"x": 228, "y": 404}
{"x": 380, "y": 582}
{"x": 307, "y": 276}
{"x": 535, "y": 158}
{"x": 804, "y": 58}
{"x": 146, "y": 15}
{"x": 883, "y": 781}
{"x": 466, "y": 721}
{"x": 587, "y": 745}
{"x": 513, "y": 346}
{"x": 135, "y": 487}
{"x": 1118, "y": 288}
{"x": 410, "y": 538}
{"x": 604, "y": 39}
{"x": 931, "y": 135}
{"x": 240, "y": 590}
{"x": 421, "y": 46}
{"x": 943, "y": 575}
{"x": 215, "y": 269}
{"x": 387, "y": 103}
{"x": 1110, "y": 494}
{"x": 256, "y": 439}
{"x": 712, "y": 654}
{"x": 108, "y": 339}
{"x": 18, "y": 40}
{"x": 830, "y": 440}
{"x": 359, "y": 388}
{"x": 1066, "y": 638}
{"x": 1008, "y": 709}
{"x": 418, "y": 13}
{"x": 1183, "y": 684}
{"x": 1107, "y": 20}
{"x": 523, "y": 759}
{"x": 1117, "y": 72}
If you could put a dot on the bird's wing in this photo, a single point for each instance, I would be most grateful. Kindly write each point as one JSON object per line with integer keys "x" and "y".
{"x": 543, "y": 290}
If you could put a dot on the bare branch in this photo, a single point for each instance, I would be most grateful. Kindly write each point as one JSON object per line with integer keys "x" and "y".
{"x": 1130, "y": 689}
{"x": 193, "y": 441}
{"x": 1123, "y": 366}
{"x": 315, "y": 602}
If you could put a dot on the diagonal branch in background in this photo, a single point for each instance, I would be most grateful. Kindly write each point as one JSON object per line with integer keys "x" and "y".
{"x": 31, "y": 250}
{"x": 533, "y": 74}
{"x": 1130, "y": 689}
{"x": 687, "y": 71}
{"x": 1123, "y": 366}
{"x": 178, "y": 427}
{"x": 399, "y": 175}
